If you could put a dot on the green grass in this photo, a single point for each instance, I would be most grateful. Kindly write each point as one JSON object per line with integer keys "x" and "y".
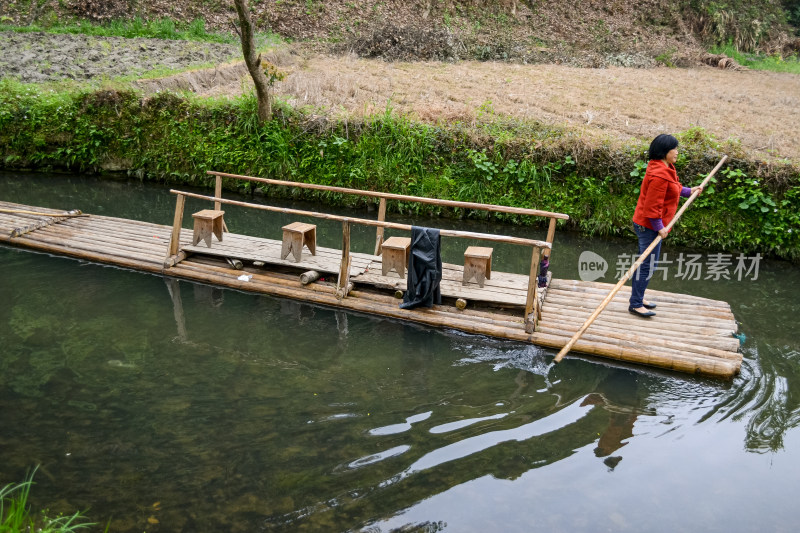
{"x": 163, "y": 28}
{"x": 16, "y": 515}
{"x": 760, "y": 62}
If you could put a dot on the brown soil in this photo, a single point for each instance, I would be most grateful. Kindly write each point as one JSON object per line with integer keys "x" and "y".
{"x": 759, "y": 109}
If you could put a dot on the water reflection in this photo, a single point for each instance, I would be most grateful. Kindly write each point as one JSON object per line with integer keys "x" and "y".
{"x": 400, "y": 428}
{"x": 480, "y": 443}
{"x": 237, "y": 412}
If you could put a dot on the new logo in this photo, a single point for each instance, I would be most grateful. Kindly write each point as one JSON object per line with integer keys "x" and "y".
{"x": 591, "y": 266}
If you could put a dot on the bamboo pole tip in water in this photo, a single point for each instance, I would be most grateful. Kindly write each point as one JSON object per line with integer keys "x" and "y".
{"x": 560, "y": 355}
{"x": 461, "y": 303}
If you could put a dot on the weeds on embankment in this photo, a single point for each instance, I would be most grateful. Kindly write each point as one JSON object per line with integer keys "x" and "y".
{"x": 754, "y": 206}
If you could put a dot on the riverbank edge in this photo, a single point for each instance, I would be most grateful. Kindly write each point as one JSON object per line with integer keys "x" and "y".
{"x": 754, "y": 206}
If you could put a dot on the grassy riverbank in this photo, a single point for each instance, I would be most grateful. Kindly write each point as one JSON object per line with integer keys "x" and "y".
{"x": 754, "y": 206}
{"x": 16, "y": 515}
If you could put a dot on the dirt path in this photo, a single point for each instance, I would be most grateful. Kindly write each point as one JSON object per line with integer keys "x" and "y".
{"x": 760, "y": 109}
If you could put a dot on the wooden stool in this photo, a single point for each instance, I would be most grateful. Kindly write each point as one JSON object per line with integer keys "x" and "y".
{"x": 477, "y": 264}
{"x": 295, "y": 236}
{"x": 206, "y": 222}
{"x": 395, "y": 255}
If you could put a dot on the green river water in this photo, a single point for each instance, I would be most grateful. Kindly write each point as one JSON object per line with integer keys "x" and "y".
{"x": 261, "y": 414}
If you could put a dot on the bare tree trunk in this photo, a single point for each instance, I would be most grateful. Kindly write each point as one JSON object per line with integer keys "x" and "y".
{"x": 253, "y": 62}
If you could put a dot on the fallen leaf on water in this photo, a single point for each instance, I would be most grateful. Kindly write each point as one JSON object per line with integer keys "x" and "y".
{"x": 152, "y": 520}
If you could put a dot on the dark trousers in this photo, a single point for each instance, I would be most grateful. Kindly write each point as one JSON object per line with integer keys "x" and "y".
{"x": 645, "y": 271}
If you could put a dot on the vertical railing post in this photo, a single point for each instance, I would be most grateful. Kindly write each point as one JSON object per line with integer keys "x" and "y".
{"x": 218, "y": 192}
{"x": 531, "y": 302}
{"x": 218, "y": 205}
{"x": 177, "y": 223}
{"x": 379, "y": 231}
{"x": 343, "y": 286}
{"x": 551, "y": 234}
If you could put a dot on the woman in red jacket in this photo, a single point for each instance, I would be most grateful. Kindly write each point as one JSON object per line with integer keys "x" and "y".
{"x": 658, "y": 202}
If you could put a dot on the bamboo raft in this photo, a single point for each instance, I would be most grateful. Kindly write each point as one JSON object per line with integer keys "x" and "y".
{"x": 508, "y": 305}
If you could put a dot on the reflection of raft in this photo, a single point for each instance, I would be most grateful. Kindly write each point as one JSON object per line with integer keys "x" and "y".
{"x": 507, "y": 306}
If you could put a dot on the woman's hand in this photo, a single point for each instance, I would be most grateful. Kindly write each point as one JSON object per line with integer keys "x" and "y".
{"x": 698, "y": 188}
{"x": 663, "y": 232}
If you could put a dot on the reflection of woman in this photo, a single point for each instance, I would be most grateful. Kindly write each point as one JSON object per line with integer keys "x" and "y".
{"x": 658, "y": 202}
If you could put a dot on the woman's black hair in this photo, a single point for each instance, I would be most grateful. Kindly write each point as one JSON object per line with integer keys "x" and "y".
{"x": 661, "y": 145}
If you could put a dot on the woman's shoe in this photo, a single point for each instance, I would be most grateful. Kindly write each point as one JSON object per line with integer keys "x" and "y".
{"x": 649, "y": 306}
{"x": 646, "y": 314}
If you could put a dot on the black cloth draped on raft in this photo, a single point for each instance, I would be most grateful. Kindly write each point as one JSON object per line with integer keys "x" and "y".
{"x": 544, "y": 265}
{"x": 424, "y": 269}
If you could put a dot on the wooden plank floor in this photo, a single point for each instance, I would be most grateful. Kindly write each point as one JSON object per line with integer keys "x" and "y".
{"x": 689, "y": 334}
{"x": 503, "y": 289}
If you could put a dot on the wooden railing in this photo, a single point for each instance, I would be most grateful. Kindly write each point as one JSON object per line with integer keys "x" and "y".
{"x": 531, "y": 304}
{"x": 384, "y": 196}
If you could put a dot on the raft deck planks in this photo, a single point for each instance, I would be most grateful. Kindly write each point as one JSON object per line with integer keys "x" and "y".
{"x": 690, "y": 334}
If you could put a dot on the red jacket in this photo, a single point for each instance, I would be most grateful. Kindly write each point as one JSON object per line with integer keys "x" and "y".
{"x": 658, "y": 195}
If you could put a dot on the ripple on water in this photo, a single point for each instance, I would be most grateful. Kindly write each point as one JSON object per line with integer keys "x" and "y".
{"x": 380, "y": 456}
{"x": 452, "y": 426}
{"x": 478, "y": 443}
{"x": 401, "y": 427}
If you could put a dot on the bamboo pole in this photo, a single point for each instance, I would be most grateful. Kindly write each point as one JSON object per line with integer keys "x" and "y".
{"x": 635, "y": 266}
{"x": 309, "y": 277}
{"x": 17, "y": 232}
{"x": 73, "y": 213}
{"x": 37, "y": 221}
{"x": 379, "y": 231}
